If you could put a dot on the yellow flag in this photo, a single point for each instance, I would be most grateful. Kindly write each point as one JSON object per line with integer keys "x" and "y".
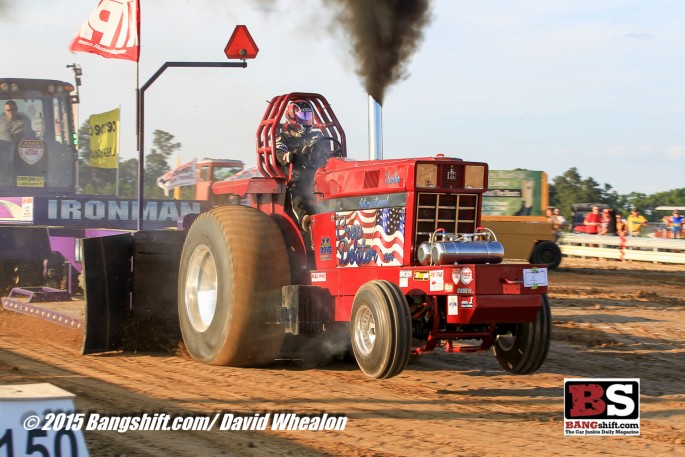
{"x": 104, "y": 139}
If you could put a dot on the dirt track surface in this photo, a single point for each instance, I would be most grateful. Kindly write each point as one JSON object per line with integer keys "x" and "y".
{"x": 609, "y": 320}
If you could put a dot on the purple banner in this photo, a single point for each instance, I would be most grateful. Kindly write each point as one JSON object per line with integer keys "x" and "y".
{"x": 111, "y": 213}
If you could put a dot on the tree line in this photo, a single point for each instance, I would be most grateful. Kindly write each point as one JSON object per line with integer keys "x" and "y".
{"x": 570, "y": 188}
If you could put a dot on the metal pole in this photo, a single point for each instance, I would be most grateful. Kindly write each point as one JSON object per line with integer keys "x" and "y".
{"x": 375, "y": 130}
{"x": 118, "y": 148}
{"x": 141, "y": 118}
{"x": 75, "y": 100}
{"x": 141, "y": 155}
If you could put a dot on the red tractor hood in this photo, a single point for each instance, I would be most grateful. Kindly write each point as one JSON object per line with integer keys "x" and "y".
{"x": 345, "y": 177}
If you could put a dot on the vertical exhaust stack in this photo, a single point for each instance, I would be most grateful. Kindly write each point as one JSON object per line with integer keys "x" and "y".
{"x": 375, "y": 129}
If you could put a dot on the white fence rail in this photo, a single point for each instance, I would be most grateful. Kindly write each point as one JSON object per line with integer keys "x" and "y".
{"x": 656, "y": 250}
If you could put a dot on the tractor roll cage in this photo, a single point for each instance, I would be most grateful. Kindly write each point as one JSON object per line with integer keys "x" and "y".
{"x": 324, "y": 121}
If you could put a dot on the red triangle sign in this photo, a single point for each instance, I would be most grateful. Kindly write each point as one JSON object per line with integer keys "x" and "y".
{"x": 241, "y": 45}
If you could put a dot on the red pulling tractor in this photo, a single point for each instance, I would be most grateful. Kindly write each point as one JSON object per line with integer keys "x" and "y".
{"x": 395, "y": 254}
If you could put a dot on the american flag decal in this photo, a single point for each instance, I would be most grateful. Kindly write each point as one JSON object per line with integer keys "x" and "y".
{"x": 370, "y": 237}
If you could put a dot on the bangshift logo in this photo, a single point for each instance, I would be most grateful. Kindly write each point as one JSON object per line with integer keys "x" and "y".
{"x": 602, "y": 406}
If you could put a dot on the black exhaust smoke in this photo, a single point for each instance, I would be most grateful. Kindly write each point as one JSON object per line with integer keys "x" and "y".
{"x": 384, "y": 34}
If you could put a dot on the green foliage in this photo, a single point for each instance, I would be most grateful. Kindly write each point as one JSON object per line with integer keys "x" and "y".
{"x": 156, "y": 161}
{"x": 647, "y": 203}
{"x": 570, "y": 188}
{"x": 128, "y": 178}
{"x": 102, "y": 181}
{"x": 187, "y": 193}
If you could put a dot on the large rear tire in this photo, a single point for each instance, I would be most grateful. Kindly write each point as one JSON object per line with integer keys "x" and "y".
{"x": 233, "y": 266}
{"x": 523, "y": 349}
{"x": 548, "y": 253}
{"x": 380, "y": 329}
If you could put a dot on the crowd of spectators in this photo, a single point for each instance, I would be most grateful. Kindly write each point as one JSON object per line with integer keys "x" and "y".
{"x": 604, "y": 222}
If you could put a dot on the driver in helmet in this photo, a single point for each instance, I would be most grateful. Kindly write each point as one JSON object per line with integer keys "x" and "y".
{"x": 291, "y": 148}
{"x": 295, "y": 134}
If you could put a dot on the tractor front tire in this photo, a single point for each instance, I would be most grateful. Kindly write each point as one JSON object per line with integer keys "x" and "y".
{"x": 233, "y": 267}
{"x": 380, "y": 329}
{"x": 524, "y": 348}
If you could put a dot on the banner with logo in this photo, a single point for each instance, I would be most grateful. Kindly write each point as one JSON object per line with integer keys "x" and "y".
{"x": 515, "y": 193}
{"x": 111, "y": 31}
{"x": 183, "y": 175}
{"x": 104, "y": 139}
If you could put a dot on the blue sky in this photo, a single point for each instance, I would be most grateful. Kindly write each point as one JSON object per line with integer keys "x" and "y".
{"x": 546, "y": 86}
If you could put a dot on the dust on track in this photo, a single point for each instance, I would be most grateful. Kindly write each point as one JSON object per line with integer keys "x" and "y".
{"x": 610, "y": 319}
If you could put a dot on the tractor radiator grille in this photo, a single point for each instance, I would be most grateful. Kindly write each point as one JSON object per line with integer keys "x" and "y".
{"x": 455, "y": 213}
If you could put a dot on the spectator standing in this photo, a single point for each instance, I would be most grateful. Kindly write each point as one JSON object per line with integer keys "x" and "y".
{"x": 560, "y": 220}
{"x": 593, "y": 221}
{"x": 621, "y": 226}
{"x": 559, "y": 223}
{"x": 604, "y": 222}
{"x": 610, "y": 215}
{"x": 635, "y": 222}
{"x": 675, "y": 223}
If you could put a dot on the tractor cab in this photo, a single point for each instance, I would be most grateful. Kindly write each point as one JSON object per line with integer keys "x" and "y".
{"x": 37, "y": 137}
{"x": 210, "y": 170}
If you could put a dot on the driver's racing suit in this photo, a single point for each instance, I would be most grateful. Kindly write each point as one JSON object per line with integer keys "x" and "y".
{"x": 289, "y": 150}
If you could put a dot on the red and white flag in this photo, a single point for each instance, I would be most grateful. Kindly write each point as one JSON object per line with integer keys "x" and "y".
{"x": 183, "y": 175}
{"x": 112, "y": 31}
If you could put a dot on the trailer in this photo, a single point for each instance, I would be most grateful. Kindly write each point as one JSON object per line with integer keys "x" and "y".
{"x": 514, "y": 207}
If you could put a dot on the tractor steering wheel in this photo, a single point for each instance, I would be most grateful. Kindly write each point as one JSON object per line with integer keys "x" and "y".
{"x": 316, "y": 152}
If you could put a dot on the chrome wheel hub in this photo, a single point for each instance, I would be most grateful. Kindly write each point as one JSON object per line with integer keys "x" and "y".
{"x": 201, "y": 288}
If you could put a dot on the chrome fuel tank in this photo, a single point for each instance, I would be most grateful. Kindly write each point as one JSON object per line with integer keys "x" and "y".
{"x": 423, "y": 253}
{"x": 449, "y": 252}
